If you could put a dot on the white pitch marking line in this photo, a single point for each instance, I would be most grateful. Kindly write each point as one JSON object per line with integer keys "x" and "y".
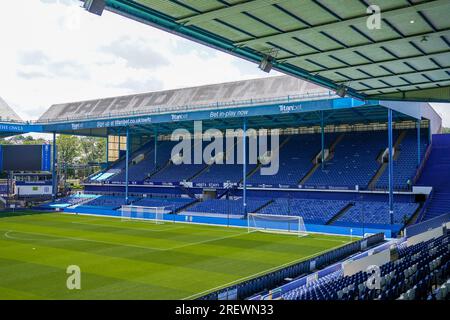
{"x": 61, "y": 238}
{"x": 257, "y": 274}
{"x": 205, "y": 241}
{"x": 122, "y": 227}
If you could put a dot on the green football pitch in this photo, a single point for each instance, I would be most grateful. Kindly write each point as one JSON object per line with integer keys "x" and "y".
{"x": 137, "y": 259}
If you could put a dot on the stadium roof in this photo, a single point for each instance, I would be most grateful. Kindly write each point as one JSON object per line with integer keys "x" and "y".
{"x": 215, "y": 96}
{"x": 326, "y": 42}
{"x": 6, "y": 113}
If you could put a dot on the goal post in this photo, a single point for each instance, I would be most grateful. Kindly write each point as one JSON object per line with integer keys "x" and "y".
{"x": 276, "y": 223}
{"x": 155, "y": 214}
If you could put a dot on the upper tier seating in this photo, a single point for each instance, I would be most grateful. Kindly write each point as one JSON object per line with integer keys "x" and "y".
{"x": 220, "y": 173}
{"x": 296, "y": 159}
{"x": 406, "y": 164}
{"x": 354, "y": 161}
{"x": 141, "y": 170}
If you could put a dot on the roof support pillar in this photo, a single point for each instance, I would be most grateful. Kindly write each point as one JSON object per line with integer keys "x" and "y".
{"x": 155, "y": 134}
{"x": 418, "y": 144}
{"x": 391, "y": 169}
{"x": 244, "y": 167}
{"x": 107, "y": 151}
{"x": 322, "y": 129}
{"x": 127, "y": 159}
{"x": 54, "y": 173}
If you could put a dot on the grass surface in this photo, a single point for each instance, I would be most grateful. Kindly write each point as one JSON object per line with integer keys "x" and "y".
{"x": 137, "y": 259}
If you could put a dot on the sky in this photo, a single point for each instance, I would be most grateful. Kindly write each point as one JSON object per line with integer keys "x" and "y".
{"x": 53, "y": 51}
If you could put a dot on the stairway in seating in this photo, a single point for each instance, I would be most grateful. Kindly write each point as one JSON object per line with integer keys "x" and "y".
{"x": 340, "y": 213}
{"x": 318, "y": 165}
{"x": 157, "y": 170}
{"x": 384, "y": 165}
{"x": 258, "y": 167}
{"x": 437, "y": 175}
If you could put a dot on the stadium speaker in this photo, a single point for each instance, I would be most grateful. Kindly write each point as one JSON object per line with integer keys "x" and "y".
{"x": 341, "y": 91}
{"x": 266, "y": 64}
{"x": 95, "y": 6}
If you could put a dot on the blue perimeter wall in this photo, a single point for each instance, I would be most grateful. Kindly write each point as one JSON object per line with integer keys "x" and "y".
{"x": 338, "y": 230}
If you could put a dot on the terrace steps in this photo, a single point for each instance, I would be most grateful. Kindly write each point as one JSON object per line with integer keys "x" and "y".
{"x": 339, "y": 214}
{"x": 258, "y": 167}
{"x": 317, "y": 165}
{"x": 264, "y": 205}
{"x": 373, "y": 182}
{"x": 377, "y": 175}
{"x": 157, "y": 170}
{"x": 184, "y": 208}
{"x": 397, "y": 143}
{"x": 200, "y": 172}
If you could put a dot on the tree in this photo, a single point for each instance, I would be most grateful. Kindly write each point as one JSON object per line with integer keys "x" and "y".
{"x": 445, "y": 130}
{"x": 92, "y": 149}
{"x": 68, "y": 149}
{"x": 21, "y": 139}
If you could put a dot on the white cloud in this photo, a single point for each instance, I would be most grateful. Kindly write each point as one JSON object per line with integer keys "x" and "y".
{"x": 58, "y": 52}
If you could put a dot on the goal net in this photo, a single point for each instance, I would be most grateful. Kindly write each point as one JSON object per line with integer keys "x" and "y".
{"x": 155, "y": 214}
{"x": 276, "y": 223}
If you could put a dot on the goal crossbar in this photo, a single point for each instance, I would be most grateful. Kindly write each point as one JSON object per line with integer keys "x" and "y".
{"x": 276, "y": 223}
{"x": 130, "y": 212}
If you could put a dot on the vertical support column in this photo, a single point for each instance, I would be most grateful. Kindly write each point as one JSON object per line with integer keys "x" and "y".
{"x": 429, "y": 132}
{"x": 322, "y": 127}
{"x": 127, "y": 159}
{"x": 244, "y": 171}
{"x": 107, "y": 150}
{"x": 155, "y": 133}
{"x": 391, "y": 169}
{"x": 418, "y": 144}
{"x": 54, "y": 173}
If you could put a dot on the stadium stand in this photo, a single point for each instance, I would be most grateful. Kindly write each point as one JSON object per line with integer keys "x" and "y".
{"x": 171, "y": 205}
{"x": 108, "y": 202}
{"x": 418, "y": 273}
{"x": 311, "y": 210}
{"x": 374, "y": 212}
{"x": 234, "y": 207}
{"x": 353, "y": 162}
{"x": 437, "y": 174}
{"x": 405, "y": 161}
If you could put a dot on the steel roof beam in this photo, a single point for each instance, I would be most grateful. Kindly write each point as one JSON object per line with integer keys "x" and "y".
{"x": 411, "y": 84}
{"x": 415, "y": 72}
{"x": 380, "y": 63}
{"x": 346, "y": 23}
{"x": 227, "y": 11}
{"x": 367, "y": 46}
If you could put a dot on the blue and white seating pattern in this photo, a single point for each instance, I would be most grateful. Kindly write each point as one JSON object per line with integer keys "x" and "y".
{"x": 412, "y": 276}
{"x": 231, "y": 207}
{"x": 311, "y": 210}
